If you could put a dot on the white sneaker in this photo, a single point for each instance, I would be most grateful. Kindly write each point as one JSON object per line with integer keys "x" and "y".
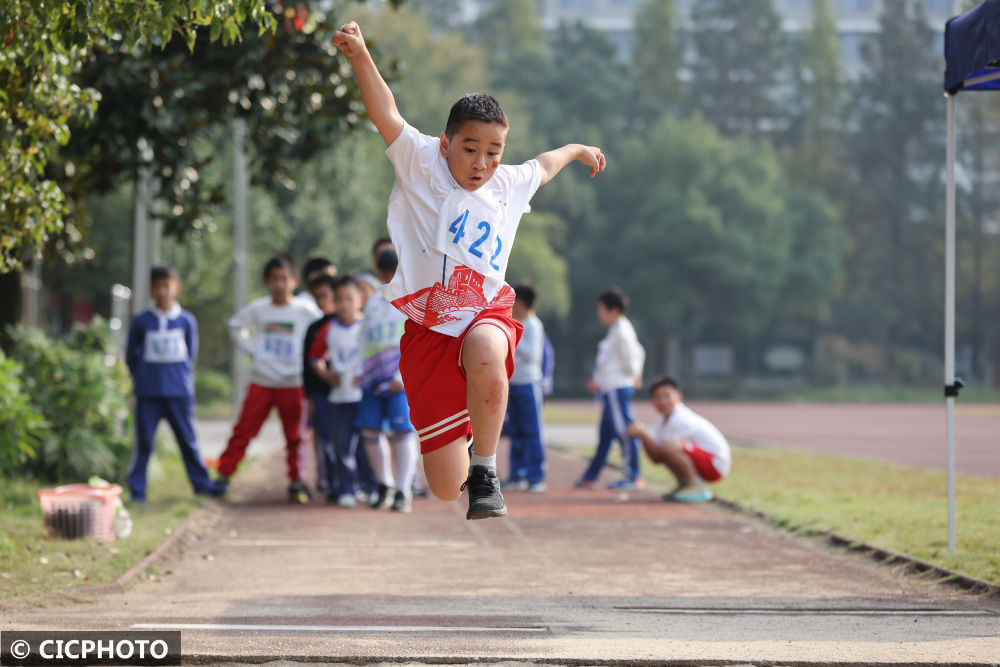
{"x": 537, "y": 487}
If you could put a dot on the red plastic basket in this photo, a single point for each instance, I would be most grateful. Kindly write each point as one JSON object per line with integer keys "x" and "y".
{"x": 79, "y": 510}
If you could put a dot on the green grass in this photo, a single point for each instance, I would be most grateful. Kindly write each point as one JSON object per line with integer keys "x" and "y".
{"x": 899, "y": 508}
{"x": 31, "y": 563}
{"x": 217, "y": 409}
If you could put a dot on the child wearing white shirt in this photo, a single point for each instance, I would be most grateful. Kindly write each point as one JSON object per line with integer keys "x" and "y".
{"x": 617, "y": 374}
{"x": 684, "y": 441}
{"x": 336, "y": 359}
{"x": 271, "y": 330}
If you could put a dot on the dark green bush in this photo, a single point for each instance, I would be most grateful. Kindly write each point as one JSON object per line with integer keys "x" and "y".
{"x": 82, "y": 392}
{"x": 212, "y": 386}
{"x": 22, "y": 427}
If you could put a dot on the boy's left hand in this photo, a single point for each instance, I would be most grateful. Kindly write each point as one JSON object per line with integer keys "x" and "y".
{"x": 593, "y": 158}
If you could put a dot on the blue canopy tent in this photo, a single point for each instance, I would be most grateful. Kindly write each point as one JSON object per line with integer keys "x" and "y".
{"x": 972, "y": 62}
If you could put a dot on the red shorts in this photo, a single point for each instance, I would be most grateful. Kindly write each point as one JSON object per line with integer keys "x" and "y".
{"x": 431, "y": 366}
{"x": 703, "y": 461}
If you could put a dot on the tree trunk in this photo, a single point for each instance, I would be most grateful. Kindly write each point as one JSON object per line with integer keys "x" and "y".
{"x": 10, "y": 304}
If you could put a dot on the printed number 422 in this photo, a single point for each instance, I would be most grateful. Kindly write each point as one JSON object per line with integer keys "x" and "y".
{"x": 458, "y": 229}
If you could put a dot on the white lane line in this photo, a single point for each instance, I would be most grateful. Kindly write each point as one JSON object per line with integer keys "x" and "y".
{"x": 352, "y": 544}
{"x": 810, "y": 612}
{"x": 333, "y": 628}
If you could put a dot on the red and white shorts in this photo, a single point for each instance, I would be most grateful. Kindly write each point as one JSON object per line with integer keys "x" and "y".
{"x": 704, "y": 462}
{"x": 431, "y": 366}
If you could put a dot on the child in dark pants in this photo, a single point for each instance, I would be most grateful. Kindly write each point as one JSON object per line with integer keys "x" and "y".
{"x": 524, "y": 404}
{"x": 161, "y": 351}
{"x": 321, "y": 289}
{"x": 336, "y": 359}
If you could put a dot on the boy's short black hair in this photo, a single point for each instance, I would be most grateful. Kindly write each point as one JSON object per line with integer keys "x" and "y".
{"x": 279, "y": 261}
{"x": 314, "y": 264}
{"x": 474, "y": 106}
{"x": 665, "y": 381}
{"x": 526, "y": 294}
{"x": 163, "y": 272}
{"x": 324, "y": 279}
{"x": 383, "y": 240}
{"x": 343, "y": 281}
{"x": 614, "y": 299}
{"x": 387, "y": 260}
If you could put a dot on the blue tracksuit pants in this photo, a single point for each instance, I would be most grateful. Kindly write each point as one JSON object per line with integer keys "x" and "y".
{"x": 615, "y": 418}
{"x": 179, "y": 413}
{"x": 524, "y": 426}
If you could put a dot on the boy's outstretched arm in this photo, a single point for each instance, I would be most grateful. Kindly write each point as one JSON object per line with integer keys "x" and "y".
{"x": 553, "y": 161}
{"x": 375, "y": 93}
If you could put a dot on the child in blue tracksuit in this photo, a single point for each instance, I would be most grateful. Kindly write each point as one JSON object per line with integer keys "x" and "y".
{"x": 524, "y": 401}
{"x": 617, "y": 374}
{"x": 162, "y": 347}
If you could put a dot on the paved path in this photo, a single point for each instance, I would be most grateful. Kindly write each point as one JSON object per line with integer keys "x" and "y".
{"x": 571, "y": 575}
{"x": 912, "y": 434}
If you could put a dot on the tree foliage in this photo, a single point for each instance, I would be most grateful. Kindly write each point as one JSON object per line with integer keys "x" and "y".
{"x": 44, "y": 46}
{"x": 896, "y": 152}
{"x": 658, "y": 56}
{"x": 738, "y": 66}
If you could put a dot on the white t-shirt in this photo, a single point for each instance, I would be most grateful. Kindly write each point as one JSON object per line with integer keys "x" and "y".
{"x": 620, "y": 357}
{"x": 529, "y": 352}
{"x": 453, "y": 244}
{"x": 686, "y": 424}
{"x": 343, "y": 356}
{"x": 273, "y": 336}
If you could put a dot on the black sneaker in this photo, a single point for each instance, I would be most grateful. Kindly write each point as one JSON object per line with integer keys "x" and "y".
{"x": 298, "y": 492}
{"x": 382, "y": 499}
{"x": 220, "y": 487}
{"x": 485, "y": 499}
{"x": 402, "y": 503}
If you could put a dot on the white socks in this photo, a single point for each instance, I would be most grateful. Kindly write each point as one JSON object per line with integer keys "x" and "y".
{"x": 405, "y": 454}
{"x": 485, "y": 461}
{"x": 377, "y": 450}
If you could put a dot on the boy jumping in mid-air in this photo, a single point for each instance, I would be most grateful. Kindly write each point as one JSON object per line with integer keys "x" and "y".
{"x": 453, "y": 212}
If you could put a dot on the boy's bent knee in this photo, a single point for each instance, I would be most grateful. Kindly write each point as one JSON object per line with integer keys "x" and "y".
{"x": 484, "y": 345}
{"x": 446, "y": 492}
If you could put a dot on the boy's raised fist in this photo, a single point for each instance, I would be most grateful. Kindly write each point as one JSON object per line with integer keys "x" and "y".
{"x": 348, "y": 39}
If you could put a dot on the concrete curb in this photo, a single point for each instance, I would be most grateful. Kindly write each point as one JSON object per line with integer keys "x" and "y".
{"x": 885, "y": 556}
{"x": 122, "y": 581}
{"x": 286, "y": 660}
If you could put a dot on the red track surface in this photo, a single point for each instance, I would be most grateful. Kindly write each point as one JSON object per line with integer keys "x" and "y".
{"x": 911, "y": 434}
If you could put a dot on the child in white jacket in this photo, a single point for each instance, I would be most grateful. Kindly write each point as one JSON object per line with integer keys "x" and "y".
{"x": 617, "y": 374}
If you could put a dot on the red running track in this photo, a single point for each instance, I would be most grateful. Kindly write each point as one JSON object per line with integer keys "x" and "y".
{"x": 911, "y": 434}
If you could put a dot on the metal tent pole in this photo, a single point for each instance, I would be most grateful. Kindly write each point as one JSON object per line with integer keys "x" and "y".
{"x": 950, "y": 386}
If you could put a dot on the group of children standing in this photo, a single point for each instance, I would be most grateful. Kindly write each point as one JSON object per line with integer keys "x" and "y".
{"x": 327, "y": 358}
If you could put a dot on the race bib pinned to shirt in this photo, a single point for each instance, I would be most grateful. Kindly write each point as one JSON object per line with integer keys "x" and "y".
{"x": 166, "y": 346}
{"x": 472, "y": 231}
{"x": 278, "y": 341}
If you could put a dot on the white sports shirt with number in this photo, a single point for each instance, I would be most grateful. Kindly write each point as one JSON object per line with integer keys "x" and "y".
{"x": 343, "y": 356}
{"x": 453, "y": 244}
{"x": 273, "y": 336}
{"x": 686, "y": 424}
